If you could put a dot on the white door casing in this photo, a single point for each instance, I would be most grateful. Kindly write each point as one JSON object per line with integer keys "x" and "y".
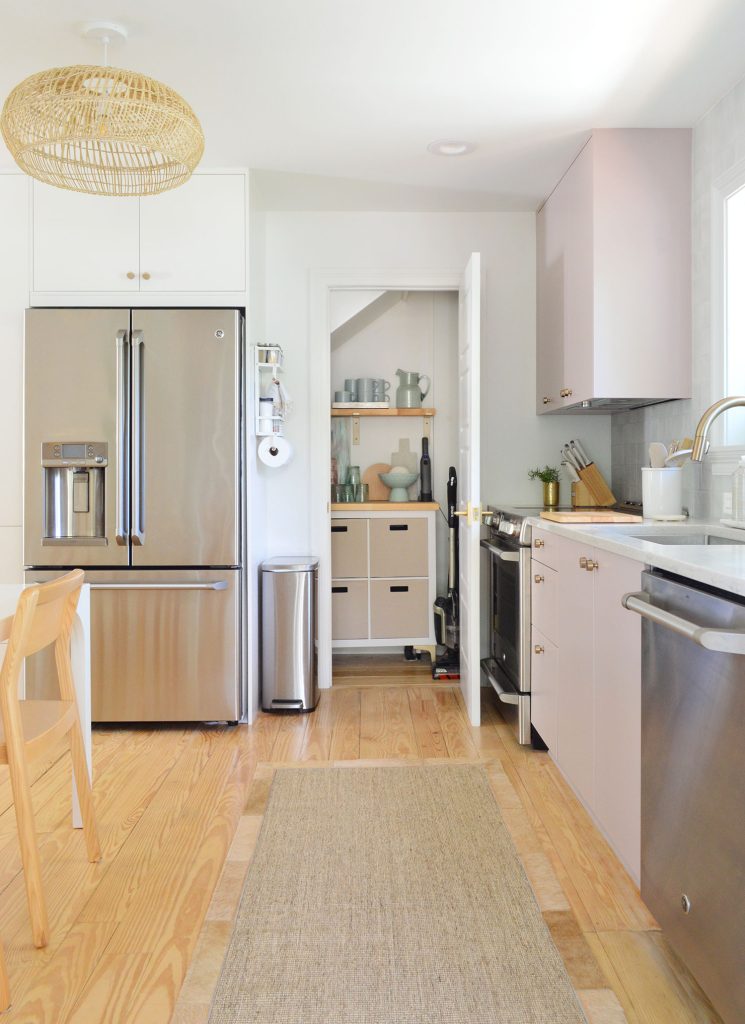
{"x": 469, "y": 482}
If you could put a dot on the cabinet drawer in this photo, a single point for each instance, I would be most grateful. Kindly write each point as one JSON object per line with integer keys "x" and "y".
{"x": 398, "y": 547}
{"x": 543, "y": 586}
{"x": 544, "y": 687}
{"x": 399, "y": 608}
{"x": 349, "y": 610}
{"x": 349, "y": 548}
{"x": 544, "y": 547}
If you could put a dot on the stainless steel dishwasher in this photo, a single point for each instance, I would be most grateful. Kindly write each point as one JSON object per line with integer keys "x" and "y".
{"x": 693, "y": 778}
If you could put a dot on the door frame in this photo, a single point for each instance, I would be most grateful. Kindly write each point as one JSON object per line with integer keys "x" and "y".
{"x": 322, "y": 283}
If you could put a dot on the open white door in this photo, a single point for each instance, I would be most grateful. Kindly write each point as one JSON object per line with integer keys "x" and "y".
{"x": 469, "y": 484}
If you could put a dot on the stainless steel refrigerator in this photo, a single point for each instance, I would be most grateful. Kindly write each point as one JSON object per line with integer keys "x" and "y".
{"x": 134, "y": 470}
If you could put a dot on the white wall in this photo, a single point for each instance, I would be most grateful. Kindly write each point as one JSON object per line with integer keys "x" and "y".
{"x": 718, "y": 148}
{"x": 290, "y": 245}
{"x": 14, "y": 291}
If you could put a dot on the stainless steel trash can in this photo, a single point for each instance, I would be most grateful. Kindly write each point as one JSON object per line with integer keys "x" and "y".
{"x": 289, "y": 656}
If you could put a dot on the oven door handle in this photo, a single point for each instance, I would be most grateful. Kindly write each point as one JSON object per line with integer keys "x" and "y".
{"x": 503, "y": 556}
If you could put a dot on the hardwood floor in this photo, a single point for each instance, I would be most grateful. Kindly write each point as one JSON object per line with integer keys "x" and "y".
{"x": 139, "y": 938}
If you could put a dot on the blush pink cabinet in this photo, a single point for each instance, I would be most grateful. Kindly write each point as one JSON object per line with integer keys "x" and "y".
{"x": 614, "y": 273}
{"x": 586, "y": 681}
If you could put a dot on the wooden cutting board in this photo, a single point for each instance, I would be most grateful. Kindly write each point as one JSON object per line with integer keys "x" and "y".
{"x": 377, "y": 489}
{"x": 590, "y": 517}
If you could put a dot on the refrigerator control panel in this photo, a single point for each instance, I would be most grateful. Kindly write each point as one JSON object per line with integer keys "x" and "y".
{"x": 74, "y": 453}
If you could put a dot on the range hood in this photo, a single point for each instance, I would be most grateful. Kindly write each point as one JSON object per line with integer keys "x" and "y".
{"x": 608, "y": 405}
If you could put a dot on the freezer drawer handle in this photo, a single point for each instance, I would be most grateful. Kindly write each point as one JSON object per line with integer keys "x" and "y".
{"x": 122, "y": 437}
{"x": 398, "y": 526}
{"x": 340, "y": 590}
{"x": 399, "y": 590}
{"x": 727, "y": 641}
{"x": 217, "y": 585}
{"x": 339, "y": 529}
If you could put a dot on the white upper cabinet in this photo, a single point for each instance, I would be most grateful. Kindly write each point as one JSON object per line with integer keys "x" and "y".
{"x": 84, "y": 243}
{"x": 187, "y": 242}
{"x": 614, "y": 274}
{"x": 194, "y": 237}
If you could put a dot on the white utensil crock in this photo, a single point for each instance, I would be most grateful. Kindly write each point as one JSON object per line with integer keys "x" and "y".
{"x": 662, "y": 492}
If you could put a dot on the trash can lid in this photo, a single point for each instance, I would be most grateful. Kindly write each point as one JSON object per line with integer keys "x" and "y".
{"x": 290, "y": 563}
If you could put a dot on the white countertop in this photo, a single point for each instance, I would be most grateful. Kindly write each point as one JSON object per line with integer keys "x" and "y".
{"x": 718, "y": 565}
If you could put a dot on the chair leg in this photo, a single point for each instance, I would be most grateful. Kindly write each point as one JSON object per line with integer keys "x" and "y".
{"x": 85, "y": 793}
{"x": 4, "y": 986}
{"x": 29, "y": 848}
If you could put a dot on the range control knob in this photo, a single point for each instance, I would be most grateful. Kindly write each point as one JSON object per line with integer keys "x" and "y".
{"x": 507, "y": 527}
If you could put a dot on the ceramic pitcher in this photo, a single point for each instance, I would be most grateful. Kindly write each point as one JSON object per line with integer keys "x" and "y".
{"x": 409, "y": 394}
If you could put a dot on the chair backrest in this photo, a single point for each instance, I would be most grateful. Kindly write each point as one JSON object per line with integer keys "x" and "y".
{"x": 43, "y": 616}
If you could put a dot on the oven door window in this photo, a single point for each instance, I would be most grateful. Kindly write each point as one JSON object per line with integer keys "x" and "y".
{"x": 505, "y": 614}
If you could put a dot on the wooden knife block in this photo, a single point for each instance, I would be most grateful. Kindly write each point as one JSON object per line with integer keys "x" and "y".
{"x": 582, "y": 497}
{"x": 595, "y": 483}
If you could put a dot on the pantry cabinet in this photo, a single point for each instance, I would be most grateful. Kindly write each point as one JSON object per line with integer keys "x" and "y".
{"x": 188, "y": 244}
{"x": 614, "y": 274}
{"x": 586, "y": 680}
{"x": 383, "y": 578}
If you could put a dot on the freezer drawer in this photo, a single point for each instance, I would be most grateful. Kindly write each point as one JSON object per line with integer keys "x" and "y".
{"x": 399, "y": 609}
{"x": 165, "y": 646}
{"x": 349, "y": 610}
{"x": 398, "y": 547}
{"x": 349, "y": 548}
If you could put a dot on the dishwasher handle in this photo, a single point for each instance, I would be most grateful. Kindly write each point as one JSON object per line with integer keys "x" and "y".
{"x": 726, "y": 641}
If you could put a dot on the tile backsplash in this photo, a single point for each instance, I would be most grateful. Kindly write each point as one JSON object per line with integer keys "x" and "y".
{"x": 718, "y": 148}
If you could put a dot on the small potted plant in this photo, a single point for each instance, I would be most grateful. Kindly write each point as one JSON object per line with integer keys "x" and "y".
{"x": 549, "y": 477}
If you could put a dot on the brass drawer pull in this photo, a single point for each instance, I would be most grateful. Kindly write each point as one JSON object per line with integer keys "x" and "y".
{"x": 538, "y": 649}
{"x": 538, "y": 543}
{"x": 591, "y": 565}
{"x": 538, "y": 579}
{"x": 583, "y": 562}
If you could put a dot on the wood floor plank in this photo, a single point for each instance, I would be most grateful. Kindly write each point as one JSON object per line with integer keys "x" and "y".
{"x": 288, "y": 744}
{"x": 320, "y": 727}
{"x": 386, "y": 729}
{"x": 429, "y": 738}
{"x": 652, "y": 984}
{"x": 345, "y": 735}
{"x": 454, "y": 725}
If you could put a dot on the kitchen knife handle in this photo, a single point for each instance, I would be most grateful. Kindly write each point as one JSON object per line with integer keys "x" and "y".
{"x": 122, "y": 438}
{"x": 138, "y": 438}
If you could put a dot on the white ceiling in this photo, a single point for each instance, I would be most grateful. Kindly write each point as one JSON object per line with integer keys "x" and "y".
{"x": 358, "y": 88}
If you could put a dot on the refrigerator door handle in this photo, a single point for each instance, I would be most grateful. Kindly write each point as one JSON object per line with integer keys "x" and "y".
{"x": 138, "y": 438}
{"x": 122, "y": 437}
{"x": 217, "y": 585}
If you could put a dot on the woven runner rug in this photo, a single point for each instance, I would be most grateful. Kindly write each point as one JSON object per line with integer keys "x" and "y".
{"x": 389, "y": 896}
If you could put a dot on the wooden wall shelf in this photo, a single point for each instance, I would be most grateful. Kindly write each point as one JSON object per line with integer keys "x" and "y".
{"x": 426, "y": 413}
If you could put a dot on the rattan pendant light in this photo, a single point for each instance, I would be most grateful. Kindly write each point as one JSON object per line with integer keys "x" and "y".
{"x": 102, "y": 130}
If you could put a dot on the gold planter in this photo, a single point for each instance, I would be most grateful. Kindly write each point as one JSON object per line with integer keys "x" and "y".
{"x": 551, "y": 494}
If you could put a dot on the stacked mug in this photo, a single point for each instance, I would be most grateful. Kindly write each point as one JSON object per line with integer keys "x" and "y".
{"x": 364, "y": 389}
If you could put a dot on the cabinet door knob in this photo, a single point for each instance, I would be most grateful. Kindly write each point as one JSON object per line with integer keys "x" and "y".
{"x": 146, "y": 276}
{"x": 583, "y": 562}
{"x": 538, "y": 579}
{"x": 131, "y": 275}
{"x": 538, "y": 543}
{"x": 591, "y": 565}
{"x": 538, "y": 649}
{"x": 546, "y": 400}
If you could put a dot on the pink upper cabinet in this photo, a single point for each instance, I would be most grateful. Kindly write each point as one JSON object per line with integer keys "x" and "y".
{"x": 614, "y": 272}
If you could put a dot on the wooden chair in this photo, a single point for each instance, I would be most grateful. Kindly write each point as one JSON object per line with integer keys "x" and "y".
{"x": 28, "y": 728}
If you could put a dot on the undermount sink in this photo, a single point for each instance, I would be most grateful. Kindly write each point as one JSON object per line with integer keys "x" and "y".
{"x": 698, "y": 540}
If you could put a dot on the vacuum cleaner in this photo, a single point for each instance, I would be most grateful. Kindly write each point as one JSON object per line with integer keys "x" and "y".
{"x": 446, "y": 609}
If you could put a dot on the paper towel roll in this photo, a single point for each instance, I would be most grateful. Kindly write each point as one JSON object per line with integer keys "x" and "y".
{"x": 275, "y": 451}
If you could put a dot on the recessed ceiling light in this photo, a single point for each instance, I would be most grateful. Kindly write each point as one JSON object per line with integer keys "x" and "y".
{"x": 450, "y": 147}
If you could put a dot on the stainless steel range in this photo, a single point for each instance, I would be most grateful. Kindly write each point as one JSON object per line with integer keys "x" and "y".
{"x": 507, "y": 668}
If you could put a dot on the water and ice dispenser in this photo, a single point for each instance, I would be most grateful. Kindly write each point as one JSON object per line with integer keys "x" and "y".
{"x": 74, "y": 491}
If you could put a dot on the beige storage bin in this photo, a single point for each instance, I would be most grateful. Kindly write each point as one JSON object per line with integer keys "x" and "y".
{"x": 398, "y": 547}
{"x": 349, "y": 610}
{"x": 399, "y": 608}
{"x": 349, "y": 548}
